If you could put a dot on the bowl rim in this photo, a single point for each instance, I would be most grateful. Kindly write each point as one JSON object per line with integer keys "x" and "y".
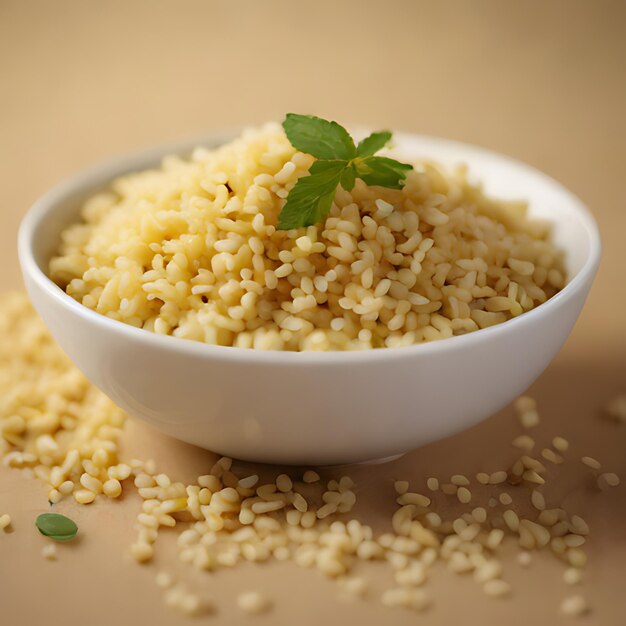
{"x": 112, "y": 167}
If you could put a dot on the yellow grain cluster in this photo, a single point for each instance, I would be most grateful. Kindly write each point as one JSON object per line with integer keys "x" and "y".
{"x": 52, "y": 420}
{"x": 191, "y": 250}
{"x": 54, "y": 424}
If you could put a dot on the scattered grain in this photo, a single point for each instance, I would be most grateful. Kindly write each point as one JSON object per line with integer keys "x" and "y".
{"x": 574, "y": 606}
{"x": 464, "y": 495}
{"x": 561, "y": 444}
{"x": 310, "y": 476}
{"x": 608, "y": 480}
{"x": 483, "y": 478}
{"x": 497, "y": 477}
{"x": 573, "y": 576}
{"x": 141, "y": 551}
{"x": 524, "y": 442}
{"x": 538, "y": 500}
{"x": 459, "y": 480}
{"x": 497, "y": 588}
{"x": 283, "y": 482}
{"x": 511, "y": 520}
{"x": 401, "y": 486}
{"x": 164, "y": 580}
{"x": 432, "y": 483}
{"x": 49, "y": 551}
{"x": 505, "y": 498}
{"x": 591, "y": 463}
{"x": 551, "y": 456}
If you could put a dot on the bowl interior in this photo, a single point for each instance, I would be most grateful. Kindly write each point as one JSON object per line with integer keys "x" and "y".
{"x": 574, "y": 229}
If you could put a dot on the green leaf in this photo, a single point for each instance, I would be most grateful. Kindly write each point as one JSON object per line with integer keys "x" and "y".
{"x": 319, "y": 137}
{"x": 348, "y": 177}
{"x": 56, "y": 527}
{"x": 382, "y": 171}
{"x": 310, "y": 200}
{"x": 372, "y": 144}
{"x": 327, "y": 169}
{"x": 339, "y": 162}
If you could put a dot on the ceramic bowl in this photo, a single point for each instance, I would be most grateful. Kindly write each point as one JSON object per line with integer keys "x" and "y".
{"x": 315, "y": 408}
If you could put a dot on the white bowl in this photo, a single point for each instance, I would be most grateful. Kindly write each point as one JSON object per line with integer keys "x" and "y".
{"x": 315, "y": 408}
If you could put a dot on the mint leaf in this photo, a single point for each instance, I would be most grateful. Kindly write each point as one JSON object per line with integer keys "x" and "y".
{"x": 327, "y": 168}
{"x": 319, "y": 137}
{"x": 348, "y": 177}
{"x": 372, "y": 144}
{"x": 382, "y": 171}
{"x": 310, "y": 200}
{"x": 56, "y": 527}
{"x": 339, "y": 162}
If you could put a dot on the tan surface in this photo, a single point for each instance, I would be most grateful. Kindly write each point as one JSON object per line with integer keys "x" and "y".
{"x": 542, "y": 81}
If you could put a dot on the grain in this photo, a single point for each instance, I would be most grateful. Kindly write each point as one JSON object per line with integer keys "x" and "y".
{"x": 616, "y": 409}
{"x": 432, "y": 483}
{"x": 267, "y": 507}
{"x": 538, "y": 500}
{"x": 497, "y": 478}
{"x": 196, "y": 254}
{"x": 552, "y": 456}
{"x": 505, "y": 498}
{"x": 483, "y": 478}
{"x": 576, "y": 557}
{"x": 579, "y": 525}
{"x": 459, "y": 480}
{"x": 489, "y": 570}
{"x": 524, "y": 442}
{"x": 49, "y": 552}
{"x": 511, "y": 520}
{"x": 248, "y": 482}
{"x": 448, "y": 489}
{"x": 141, "y": 551}
{"x": 84, "y": 496}
{"x": 164, "y": 580}
{"x": 225, "y": 530}
{"x": 284, "y": 484}
{"x": 354, "y": 586}
{"x": 112, "y": 488}
{"x": 494, "y": 539}
{"x": 608, "y": 480}
{"x": 574, "y": 541}
{"x": 573, "y": 576}
{"x": 464, "y": 495}
{"x": 497, "y": 588}
{"x": 533, "y": 477}
{"x": 310, "y": 476}
{"x": 414, "y": 498}
{"x": 530, "y": 419}
{"x": 401, "y": 486}
{"x": 591, "y": 463}
{"x": 561, "y": 444}
{"x": 574, "y": 606}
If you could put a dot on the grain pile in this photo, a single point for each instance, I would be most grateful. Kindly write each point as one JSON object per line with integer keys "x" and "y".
{"x": 58, "y": 427}
{"x": 192, "y": 250}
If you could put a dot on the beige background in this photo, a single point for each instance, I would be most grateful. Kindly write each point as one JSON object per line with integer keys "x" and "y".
{"x": 543, "y": 81}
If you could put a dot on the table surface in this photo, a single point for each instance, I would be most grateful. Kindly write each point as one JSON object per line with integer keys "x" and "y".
{"x": 542, "y": 81}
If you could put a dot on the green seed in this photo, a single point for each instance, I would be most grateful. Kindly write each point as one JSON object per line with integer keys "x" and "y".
{"x": 56, "y": 527}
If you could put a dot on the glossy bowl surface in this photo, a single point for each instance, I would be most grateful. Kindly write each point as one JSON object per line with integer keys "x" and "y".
{"x": 315, "y": 408}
